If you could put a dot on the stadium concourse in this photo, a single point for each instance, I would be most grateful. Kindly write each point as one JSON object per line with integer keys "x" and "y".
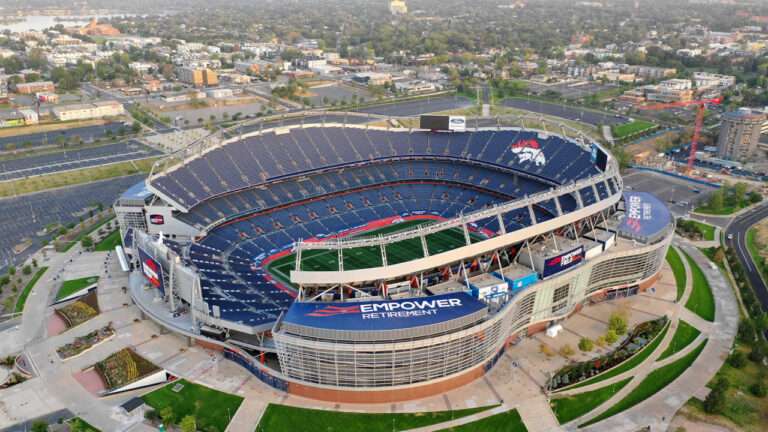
{"x": 316, "y": 255}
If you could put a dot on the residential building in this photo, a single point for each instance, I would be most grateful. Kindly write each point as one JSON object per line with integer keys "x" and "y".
{"x": 398, "y": 7}
{"x": 198, "y": 77}
{"x": 11, "y": 118}
{"x": 88, "y": 111}
{"x": 740, "y": 134}
{"x": 34, "y": 87}
{"x": 3, "y": 89}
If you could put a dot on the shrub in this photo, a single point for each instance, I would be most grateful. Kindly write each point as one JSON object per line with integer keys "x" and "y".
{"x": 566, "y": 350}
{"x": 600, "y": 341}
{"x": 12, "y": 270}
{"x": 611, "y": 336}
{"x": 715, "y": 401}
{"x": 737, "y": 360}
{"x": 586, "y": 344}
{"x": 26, "y": 270}
{"x": 758, "y": 389}
{"x": 758, "y": 353}
{"x": 618, "y": 323}
{"x": 152, "y": 415}
{"x": 546, "y": 350}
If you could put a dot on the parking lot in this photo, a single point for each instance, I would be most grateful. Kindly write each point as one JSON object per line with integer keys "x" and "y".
{"x": 564, "y": 111}
{"x": 570, "y": 90}
{"x": 23, "y": 217}
{"x": 420, "y": 106}
{"x": 679, "y": 194}
{"x": 79, "y": 158}
{"x": 86, "y": 134}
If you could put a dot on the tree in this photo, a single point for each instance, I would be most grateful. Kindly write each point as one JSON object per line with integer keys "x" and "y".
{"x": 12, "y": 270}
{"x": 737, "y": 360}
{"x": 166, "y": 414}
{"x": 546, "y": 350}
{"x": 566, "y": 350}
{"x": 586, "y": 344}
{"x": 188, "y": 424}
{"x": 618, "y": 323}
{"x": 739, "y": 191}
{"x": 39, "y": 426}
{"x": 758, "y": 388}
{"x": 715, "y": 401}
{"x": 87, "y": 242}
{"x": 758, "y": 353}
{"x": 600, "y": 341}
{"x": 717, "y": 200}
{"x": 26, "y": 270}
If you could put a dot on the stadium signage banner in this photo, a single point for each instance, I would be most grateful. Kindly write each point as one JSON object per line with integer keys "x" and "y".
{"x": 457, "y": 123}
{"x": 564, "y": 261}
{"x": 152, "y": 270}
{"x": 157, "y": 219}
{"x": 383, "y": 315}
{"x": 644, "y": 214}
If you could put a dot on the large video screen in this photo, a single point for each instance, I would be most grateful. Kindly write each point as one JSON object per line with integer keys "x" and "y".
{"x": 434, "y": 122}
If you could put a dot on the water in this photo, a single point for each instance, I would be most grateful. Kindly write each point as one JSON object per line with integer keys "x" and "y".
{"x": 42, "y": 22}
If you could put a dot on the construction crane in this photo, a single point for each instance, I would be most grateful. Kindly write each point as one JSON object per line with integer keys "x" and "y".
{"x": 702, "y": 105}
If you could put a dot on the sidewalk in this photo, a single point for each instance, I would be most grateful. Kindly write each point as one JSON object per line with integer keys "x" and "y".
{"x": 657, "y": 411}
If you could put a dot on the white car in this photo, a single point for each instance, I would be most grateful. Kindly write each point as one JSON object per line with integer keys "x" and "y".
{"x": 730, "y": 236}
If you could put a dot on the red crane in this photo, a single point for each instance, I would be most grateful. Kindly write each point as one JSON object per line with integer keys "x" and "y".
{"x": 702, "y": 105}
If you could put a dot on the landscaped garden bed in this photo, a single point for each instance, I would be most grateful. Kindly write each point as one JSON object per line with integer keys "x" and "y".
{"x": 83, "y": 343}
{"x": 640, "y": 337}
{"x": 82, "y": 310}
{"x": 123, "y": 368}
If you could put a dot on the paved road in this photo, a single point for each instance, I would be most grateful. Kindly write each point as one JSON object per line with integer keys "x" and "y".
{"x": 738, "y": 229}
{"x": 86, "y": 133}
{"x": 563, "y": 111}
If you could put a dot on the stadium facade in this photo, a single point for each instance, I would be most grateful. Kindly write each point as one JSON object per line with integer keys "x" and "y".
{"x": 367, "y": 264}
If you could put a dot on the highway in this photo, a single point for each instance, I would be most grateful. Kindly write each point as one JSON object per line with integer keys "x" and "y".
{"x": 738, "y": 228}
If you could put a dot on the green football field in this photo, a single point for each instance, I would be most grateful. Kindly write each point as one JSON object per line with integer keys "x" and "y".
{"x": 367, "y": 257}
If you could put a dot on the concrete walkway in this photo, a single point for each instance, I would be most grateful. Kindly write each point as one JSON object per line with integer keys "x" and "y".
{"x": 657, "y": 411}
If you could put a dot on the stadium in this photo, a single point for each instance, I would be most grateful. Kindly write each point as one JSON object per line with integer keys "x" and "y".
{"x": 355, "y": 263}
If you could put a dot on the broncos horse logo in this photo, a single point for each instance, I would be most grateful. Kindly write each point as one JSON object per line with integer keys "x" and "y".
{"x": 529, "y": 151}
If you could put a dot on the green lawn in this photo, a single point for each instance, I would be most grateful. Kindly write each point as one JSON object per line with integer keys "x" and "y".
{"x": 283, "y": 418}
{"x": 673, "y": 258}
{"x": 684, "y": 336}
{"x": 707, "y": 231}
{"x": 509, "y": 421}
{"x": 79, "y": 425}
{"x": 573, "y": 407}
{"x": 631, "y": 128}
{"x": 212, "y": 409}
{"x": 701, "y": 301}
{"x": 743, "y": 408}
{"x": 28, "y": 288}
{"x": 627, "y": 365}
{"x": 109, "y": 242}
{"x": 754, "y": 249}
{"x": 725, "y": 210}
{"x": 653, "y": 383}
{"x": 367, "y": 257}
{"x": 70, "y": 287}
